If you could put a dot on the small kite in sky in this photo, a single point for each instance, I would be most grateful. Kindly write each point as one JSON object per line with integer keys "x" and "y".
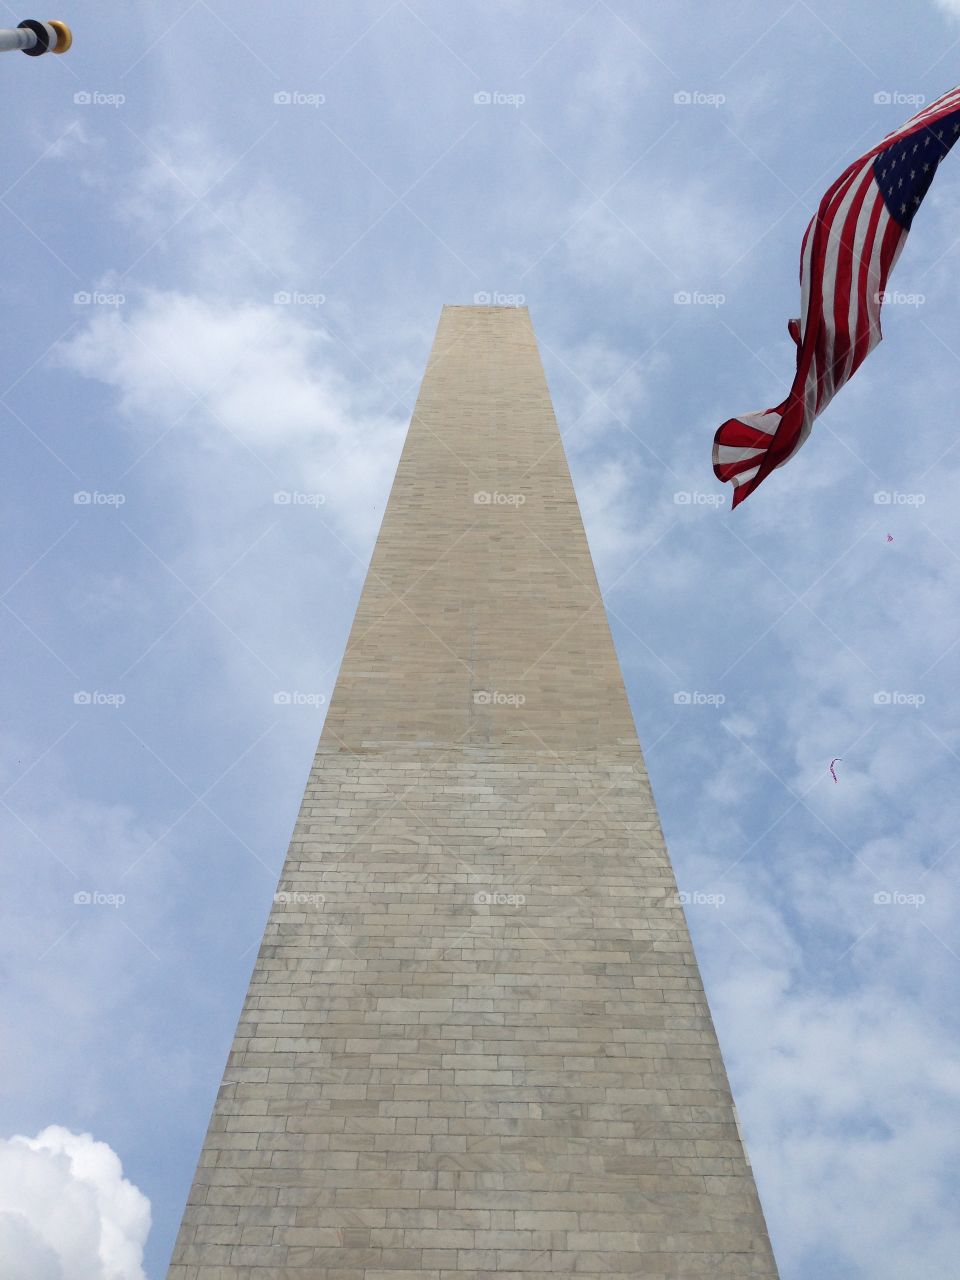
{"x": 833, "y": 772}
{"x": 849, "y": 249}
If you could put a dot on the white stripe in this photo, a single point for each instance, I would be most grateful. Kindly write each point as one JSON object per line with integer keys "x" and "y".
{"x": 767, "y": 422}
{"x": 744, "y": 477}
{"x": 873, "y": 282}
{"x": 805, "y": 279}
{"x": 867, "y": 211}
{"x": 730, "y": 453}
{"x": 810, "y": 387}
{"x": 830, "y": 261}
{"x": 809, "y": 407}
{"x": 873, "y": 327}
{"x": 897, "y": 252}
{"x": 805, "y": 274}
{"x": 948, "y": 100}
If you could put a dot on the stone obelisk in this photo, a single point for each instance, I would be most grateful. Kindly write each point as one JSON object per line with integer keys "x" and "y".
{"x": 475, "y": 1042}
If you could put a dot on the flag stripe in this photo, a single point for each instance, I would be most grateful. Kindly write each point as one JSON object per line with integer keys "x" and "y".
{"x": 846, "y": 304}
{"x": 868, "y": 285}
{"x": 837, "y": 260}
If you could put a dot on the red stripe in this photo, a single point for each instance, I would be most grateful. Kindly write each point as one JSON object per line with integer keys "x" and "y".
{"x": 812, "y": 335}
{"x": 730, "y": 470}
{"x": 846, "y": 260}
{"x": 824, "y": 345}
{"x": 739, "y": 435}
{"x": 744, "y": 490}
{"x": 924, "y": 119}
{"x": 829, "y": 201}
{"x": 788, "y": 434}
{"x": 862, "y": 341}
{"x": 891, "y": 239}
{"x": 939, "y": 108}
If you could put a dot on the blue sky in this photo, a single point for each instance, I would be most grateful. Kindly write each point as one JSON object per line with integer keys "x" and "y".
{"x": 171, "y": 177}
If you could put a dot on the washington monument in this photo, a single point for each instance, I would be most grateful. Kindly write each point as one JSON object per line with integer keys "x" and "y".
{"x": 475, "y": 1043}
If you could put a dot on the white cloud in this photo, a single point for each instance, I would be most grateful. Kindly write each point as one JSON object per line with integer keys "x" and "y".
{"x": 71, "y": 143}
{"x": 67, "y": 1212}
{"x": 261, "y": 380}
{"x": 181, "y": 200}
{"x": 841, "y": 1092}
{"x": 259, "y": 368}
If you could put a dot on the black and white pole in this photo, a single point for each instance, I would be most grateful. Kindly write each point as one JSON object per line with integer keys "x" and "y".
{"x": 35, "y": 38}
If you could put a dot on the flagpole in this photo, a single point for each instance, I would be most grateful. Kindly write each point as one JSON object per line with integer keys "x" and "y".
{"x": 35, "y": 38}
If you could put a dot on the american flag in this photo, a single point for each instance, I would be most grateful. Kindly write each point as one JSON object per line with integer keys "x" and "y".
{"x": 848, "y": 251}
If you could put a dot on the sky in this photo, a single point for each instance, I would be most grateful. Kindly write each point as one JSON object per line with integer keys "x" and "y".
{"x": 226, "y": 242}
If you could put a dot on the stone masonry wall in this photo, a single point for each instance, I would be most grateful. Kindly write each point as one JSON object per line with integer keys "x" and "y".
{"x": 475, "y": 1043}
